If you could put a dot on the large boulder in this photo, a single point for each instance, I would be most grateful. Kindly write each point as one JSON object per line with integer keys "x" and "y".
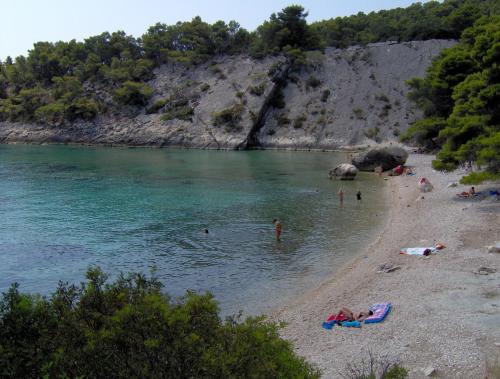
{"x": 385, "y": 157}
{"x": 344, "y": 171}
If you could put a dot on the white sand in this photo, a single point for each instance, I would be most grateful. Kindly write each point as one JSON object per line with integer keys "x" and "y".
{"x": 443, "y": 315}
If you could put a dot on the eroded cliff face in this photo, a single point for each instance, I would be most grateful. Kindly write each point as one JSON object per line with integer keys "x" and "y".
{"x": 340, "y": 98}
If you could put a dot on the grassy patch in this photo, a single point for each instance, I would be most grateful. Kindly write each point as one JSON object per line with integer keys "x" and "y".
{"x": 228, "y": 117}
{"x": 358, "y": 112}
{"x": 184, "y": 113}
{"x": 257, "y": 90}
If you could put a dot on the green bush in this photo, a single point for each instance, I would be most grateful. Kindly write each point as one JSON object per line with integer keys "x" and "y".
{"x": 358, "y": 112}
{"x": 313, "y": 82}
{"x": 130, "y": 329}
{"x": 133, "y": 93}
{"x": 82, "y": 108}
{"x": 52, "y": 114}
{"x": 372, "y": 133}
{"x": 479, "y": 177}
{"x": 273, "y": 68}
{"x": 157, "y": 105}
{"x": 229, "y": 116}
{"x": 283, "y": 120}
{"x": 257, "y": 90}
{"x": 299, "y": 121}
{"x": 382, "y": 97}
{"x": 184, "y": 112}
{"x": 424, "y": 132}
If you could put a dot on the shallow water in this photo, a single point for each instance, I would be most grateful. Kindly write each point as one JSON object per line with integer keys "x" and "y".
{"x": 65, "y": 208}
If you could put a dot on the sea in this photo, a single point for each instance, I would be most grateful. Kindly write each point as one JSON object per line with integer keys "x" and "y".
{"x": 66, "y": 208}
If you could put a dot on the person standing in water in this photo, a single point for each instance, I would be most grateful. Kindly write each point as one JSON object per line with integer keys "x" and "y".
{"x": 277, "y": 229}
{"x": 341, "y": 196}
{"x": 358, "y": 195}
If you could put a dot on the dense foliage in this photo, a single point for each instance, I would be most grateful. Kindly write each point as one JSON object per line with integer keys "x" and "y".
{"x": 460, "y": 97}
{"x": 130, "y": 329}
{"x": 110, "y": 69}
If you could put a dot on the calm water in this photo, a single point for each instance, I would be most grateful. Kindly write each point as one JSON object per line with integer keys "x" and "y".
{"x": 64, "y": 208}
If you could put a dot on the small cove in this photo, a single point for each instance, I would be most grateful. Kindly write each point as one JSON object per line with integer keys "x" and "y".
{"x": 65, "y": 208}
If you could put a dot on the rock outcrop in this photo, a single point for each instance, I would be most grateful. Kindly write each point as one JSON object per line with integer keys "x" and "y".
{"x": 344, "y": 171}
{"x": 340, "y": 98}
{"x": 385, "y": 157}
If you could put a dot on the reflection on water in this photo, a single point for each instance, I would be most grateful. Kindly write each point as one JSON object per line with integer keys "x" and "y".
{"x": 63, "y": 209}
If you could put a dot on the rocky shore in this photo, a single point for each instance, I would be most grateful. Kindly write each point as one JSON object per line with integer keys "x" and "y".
{"x": 446, "y": 308}
{"x": 339, "y": 98}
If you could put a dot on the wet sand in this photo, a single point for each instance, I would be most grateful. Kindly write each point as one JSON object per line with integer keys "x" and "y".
{"x": 444, "y": 315}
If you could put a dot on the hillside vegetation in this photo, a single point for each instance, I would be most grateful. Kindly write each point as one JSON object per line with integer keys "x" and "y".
{"x": 51, "y": 84}
{"x": 460, "y": 97}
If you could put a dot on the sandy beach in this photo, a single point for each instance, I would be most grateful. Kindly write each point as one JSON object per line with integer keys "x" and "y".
{"x": 445, "y": 316}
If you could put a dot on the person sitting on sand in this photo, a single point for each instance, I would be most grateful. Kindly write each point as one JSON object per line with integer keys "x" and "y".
{"x": 277, "y": 229}
{"x": 472, "y": 191}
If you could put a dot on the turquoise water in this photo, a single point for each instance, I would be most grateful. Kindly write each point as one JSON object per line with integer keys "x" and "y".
{"x": 65, "y": 208}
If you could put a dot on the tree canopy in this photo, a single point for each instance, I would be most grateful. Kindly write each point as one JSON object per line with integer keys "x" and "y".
{"x": 130, "y": 329}
{"x": 460, "y": 97}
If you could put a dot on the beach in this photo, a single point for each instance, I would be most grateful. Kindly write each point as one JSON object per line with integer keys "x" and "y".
{"x": 445, "y": 319}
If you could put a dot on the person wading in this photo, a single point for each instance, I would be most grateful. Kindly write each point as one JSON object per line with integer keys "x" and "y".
{"x": 277, "y": 229}
{"x": 341, "y": 196}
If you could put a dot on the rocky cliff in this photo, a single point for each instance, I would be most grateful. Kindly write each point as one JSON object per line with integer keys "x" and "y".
{"x": 338, "y": 98}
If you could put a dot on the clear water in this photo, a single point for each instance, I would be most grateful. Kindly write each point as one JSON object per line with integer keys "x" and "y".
{"x": 65, "y": 208}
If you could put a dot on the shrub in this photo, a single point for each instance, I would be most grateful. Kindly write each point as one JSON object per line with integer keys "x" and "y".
{"x": 325, "y": 95}
{"x": 184, "y": 113}
{"x": 229, "y": 116}
{"x": 424, "y": 132}
{"x": 130, "y": 328}
{"x": 313, "y": 82}
{"x": 82, "y": 108}
{"x": 239, "y": 94}
{"x": 257, "y": 90}
{"x": 283, "y": 120}
{"x": 373, "y": 368}
{"x": 52, "y": 114}
{"x": 204, "y": 87}
{"x": 478, "y": 177}
{"x": 133, "y": 93}
{"x": 217, "y": 71}
{"x": 372, "y": 133}
{"x": 273, "y": 68}
{"x": 385, "y": 110}
{"x": 358, "y": 112}
{"x": 299, "y": 121}
{"x": 382, "y": 97}
{"x": 156, "y": 106}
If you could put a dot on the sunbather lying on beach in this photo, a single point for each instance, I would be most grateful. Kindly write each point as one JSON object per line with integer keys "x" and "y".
{"x": 345, "y": 314}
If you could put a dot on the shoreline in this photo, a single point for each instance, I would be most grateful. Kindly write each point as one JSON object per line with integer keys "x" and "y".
{"x": 443, "y": 314}
{"x": 340, "y": 149}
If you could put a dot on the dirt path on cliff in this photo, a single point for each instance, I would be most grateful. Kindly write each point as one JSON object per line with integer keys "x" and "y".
{"x": 444, "y": 315}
